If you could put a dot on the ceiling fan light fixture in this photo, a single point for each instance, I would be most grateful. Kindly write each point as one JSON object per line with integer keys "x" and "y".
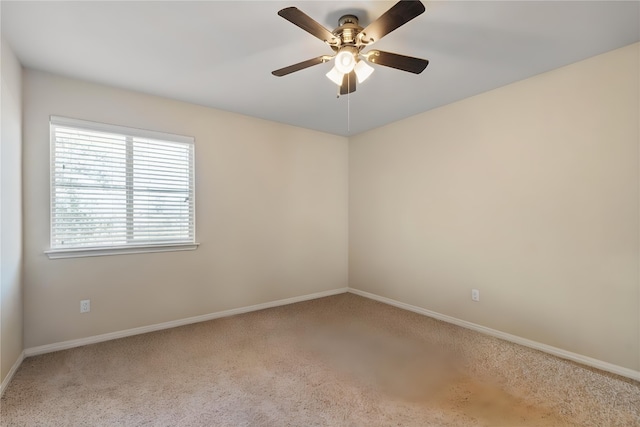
{"x": 349, "y": 39}
{"x": 335, "y": 76}
{"x": 346, "y": 59}
{"x": 363, "y": 70}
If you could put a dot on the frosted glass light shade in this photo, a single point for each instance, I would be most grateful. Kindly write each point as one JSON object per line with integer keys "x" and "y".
{"x": 345, "y": 61}
{"x": 363, "y": 71}
{"x": 335, "y": 76}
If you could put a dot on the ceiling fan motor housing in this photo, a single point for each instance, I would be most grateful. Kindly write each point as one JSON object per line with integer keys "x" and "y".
{"x": 348, "y": 30}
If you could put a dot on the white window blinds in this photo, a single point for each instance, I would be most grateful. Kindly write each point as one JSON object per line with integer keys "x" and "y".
{"x": 113, "y": 186}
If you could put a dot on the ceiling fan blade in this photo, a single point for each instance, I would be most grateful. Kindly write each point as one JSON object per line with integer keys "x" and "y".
{"x": 399, "y": 62}
{"x": 348, "y": 83}
{"x": 401, "y": 13}
{"x": 304, "y": 21}
{"x": 300, "y": 66}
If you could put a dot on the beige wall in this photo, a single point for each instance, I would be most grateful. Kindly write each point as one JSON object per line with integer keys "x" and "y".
{"x": 528, "y": 193}
{"x": 10, "y": 211}
{"x": 271, "y": 209}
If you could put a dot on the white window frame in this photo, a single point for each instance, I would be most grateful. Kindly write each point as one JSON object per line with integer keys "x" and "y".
{"x": 88, "y": 251}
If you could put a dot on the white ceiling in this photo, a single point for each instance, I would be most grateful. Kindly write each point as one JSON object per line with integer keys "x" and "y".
{"x": 221, "y": 53}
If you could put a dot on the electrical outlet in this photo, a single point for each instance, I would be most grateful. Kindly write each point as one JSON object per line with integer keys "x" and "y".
{"x": 85, "y": 306}
{"x": 475, "y": 295}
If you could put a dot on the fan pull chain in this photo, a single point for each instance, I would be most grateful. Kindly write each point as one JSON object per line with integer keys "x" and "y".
{"x": 348, "y": 109}
{"x": 348, "y": 103}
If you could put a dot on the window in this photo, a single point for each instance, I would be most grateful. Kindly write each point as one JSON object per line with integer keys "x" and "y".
{"x": 119, "y": 190}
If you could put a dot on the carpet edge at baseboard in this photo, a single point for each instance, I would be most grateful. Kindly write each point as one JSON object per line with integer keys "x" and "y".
{"x": 564, "y": 354}
{"x": 64, "y": 345}
{"x": 11, "y": 373}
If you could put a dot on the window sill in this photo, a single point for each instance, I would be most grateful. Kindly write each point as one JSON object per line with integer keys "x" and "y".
{"x": 119, "y": 250}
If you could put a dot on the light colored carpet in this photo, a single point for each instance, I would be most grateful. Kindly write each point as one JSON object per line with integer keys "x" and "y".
{"x": 336, "y": 361}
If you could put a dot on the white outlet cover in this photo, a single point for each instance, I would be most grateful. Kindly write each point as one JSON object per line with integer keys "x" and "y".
{"x": 475, "y": 294}
{"x": 85, "y": 306}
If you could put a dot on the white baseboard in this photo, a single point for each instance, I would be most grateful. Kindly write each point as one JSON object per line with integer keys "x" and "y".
{"x": 11, "y": 373}
{"x": 595, "y": 363}
{"x": 605, "y": 366}
{"x": 48, "y": 348}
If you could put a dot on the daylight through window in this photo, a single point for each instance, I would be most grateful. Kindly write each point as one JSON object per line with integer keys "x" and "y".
{"x": 117, "y": 187}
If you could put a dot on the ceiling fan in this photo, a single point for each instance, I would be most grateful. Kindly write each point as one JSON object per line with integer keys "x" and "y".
{"x": 348, "y": 41}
